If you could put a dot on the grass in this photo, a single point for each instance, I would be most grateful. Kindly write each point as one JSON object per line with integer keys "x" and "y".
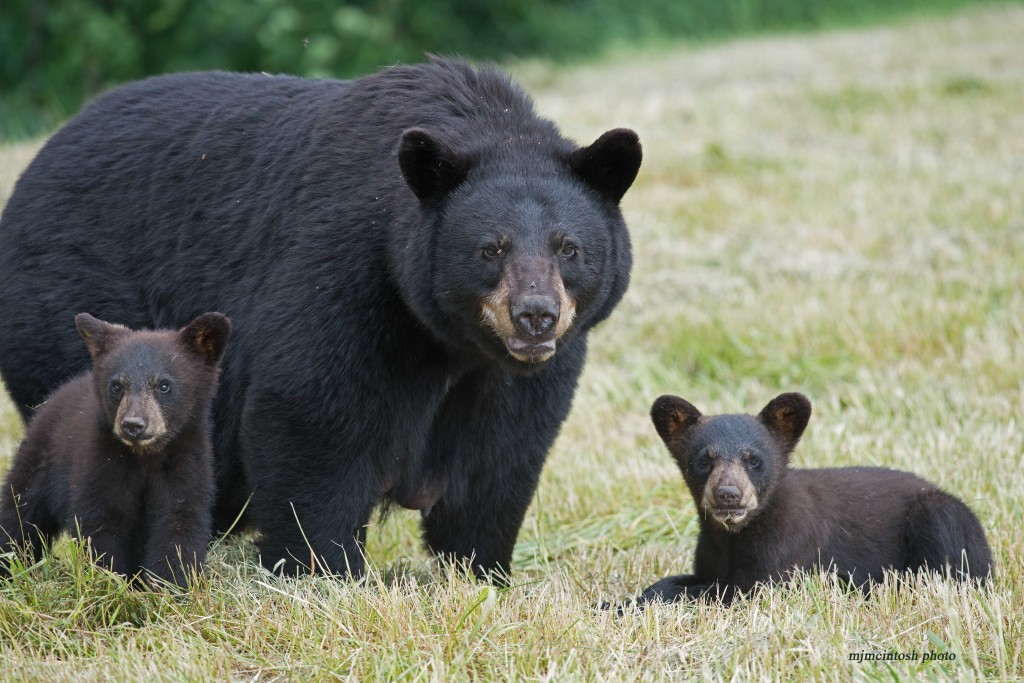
{"x": 840, "y": 214}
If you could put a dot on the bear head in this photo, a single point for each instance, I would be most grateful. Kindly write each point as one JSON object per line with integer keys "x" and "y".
{"x": 731, "y": 463}
{"x": 528, "y": 245}
{"x": 154, "y": 384}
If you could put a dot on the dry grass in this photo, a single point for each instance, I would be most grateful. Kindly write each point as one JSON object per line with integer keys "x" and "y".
{"x": 839, "y": 214}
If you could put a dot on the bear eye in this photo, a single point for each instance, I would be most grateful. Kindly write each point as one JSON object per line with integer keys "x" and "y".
{"x": 115, "y": 387}
{"x": 702, "y": 463}
{"x": 163, "y": 387}
{"x": 569, "y": 250}
{"x": 754, "y": 462}
{"x": 491, "y": 252}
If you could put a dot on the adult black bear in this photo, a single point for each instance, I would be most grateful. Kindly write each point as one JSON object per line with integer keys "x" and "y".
{"x": 412, "y": 262}
{"x": 123, "y": 454}
{"x": 759, "y": 519}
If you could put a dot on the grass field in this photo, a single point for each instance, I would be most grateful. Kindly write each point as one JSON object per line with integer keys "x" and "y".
{"x": 839, "y": 214}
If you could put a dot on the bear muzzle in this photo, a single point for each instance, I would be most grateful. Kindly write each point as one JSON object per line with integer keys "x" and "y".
{"x": 534, "y": 319}
{"x": 535, "y": 315}
{"x": 729, "y": 496}
{"x": 529, "y": 326}
{"x": 139, "y": 422}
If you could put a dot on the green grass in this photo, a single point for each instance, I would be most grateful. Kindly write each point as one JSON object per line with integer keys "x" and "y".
{"x": 840, "y": 214}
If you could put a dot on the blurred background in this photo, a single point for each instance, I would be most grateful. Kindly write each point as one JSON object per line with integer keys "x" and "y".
{"x": 56, "y": 54}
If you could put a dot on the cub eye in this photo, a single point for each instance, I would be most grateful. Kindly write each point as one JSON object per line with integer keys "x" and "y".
{"x": 754, "y": 462}
{"x": 569, "y": 250}
{"x": 115, "y": 387}
{"x": 702, "y": 463}
{"x": 491, "y": 252}
{"x": 163, "y": 387}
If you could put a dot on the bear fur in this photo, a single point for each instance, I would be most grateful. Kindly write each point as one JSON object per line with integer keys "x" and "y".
{"x": 761, "y": 519}
{"x": 412, "y": 262}
{"x": 123, "y": 455}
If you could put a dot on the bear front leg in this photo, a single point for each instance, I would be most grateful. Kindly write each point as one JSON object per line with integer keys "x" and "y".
{"x": 313, "y": 493}
{"x": 489, "y": 443}
{"x": 675, "y": 588}
{"x": 319, "y": 529}
{"x": 179, "y": 522}
{"x": 103, "y": 507}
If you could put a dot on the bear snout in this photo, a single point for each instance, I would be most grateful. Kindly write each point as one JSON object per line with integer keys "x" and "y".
{"x": 530, "y": 324}
{"x": 133, "y": 427}
{"x": 140, "y": 423}
{"x": 535, "y": 315}
{"x": 530, "y": 309}
{"x": 727, "y": 496}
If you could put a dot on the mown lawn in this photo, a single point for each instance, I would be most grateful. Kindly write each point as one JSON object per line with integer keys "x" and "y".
{"x": 839, "y": 214}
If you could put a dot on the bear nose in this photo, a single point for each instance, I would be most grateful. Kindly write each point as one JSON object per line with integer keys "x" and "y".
{"x": 133, "y": 427}
{"x": 727, "y": 496}
{"x": 534, "y": 315}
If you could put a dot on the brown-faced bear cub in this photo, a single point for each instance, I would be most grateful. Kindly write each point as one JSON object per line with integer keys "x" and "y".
{"x": 122, "y": 455}
{"x": 759, "y": 519}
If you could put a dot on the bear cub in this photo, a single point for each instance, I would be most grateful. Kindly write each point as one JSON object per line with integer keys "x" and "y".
{"x": 122, "y": 455}
{"x": 759, "y": 519}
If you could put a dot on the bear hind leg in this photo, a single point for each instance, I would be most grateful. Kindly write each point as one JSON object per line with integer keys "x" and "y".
{"x": 28, "y": 520}
{"x": 26, "y": 525}
{"x": 942, "y": 534}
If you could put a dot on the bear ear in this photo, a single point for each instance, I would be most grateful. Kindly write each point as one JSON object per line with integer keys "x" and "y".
{"x": 96, "y": 334}
{"x": 673, "y": 417}
{"x": 207, "y": 335}
{"x": 610, "y": 164}
{"x": 786, "y": 417}
{"x": 430, "y": 167}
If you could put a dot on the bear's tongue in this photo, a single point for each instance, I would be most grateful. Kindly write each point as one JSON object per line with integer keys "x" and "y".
{"x": 531, "y": 352}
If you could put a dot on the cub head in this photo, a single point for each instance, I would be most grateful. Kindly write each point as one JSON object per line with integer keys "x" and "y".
{"x": 527, "y": 244}
{"x": 154, "y": 384}
{"x": 731, "y": 463}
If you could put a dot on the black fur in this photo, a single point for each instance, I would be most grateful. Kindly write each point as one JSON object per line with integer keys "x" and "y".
{"x": 123, "y": 454}
{"x": 858, "y": 521}
{"x": 353, "y": 231}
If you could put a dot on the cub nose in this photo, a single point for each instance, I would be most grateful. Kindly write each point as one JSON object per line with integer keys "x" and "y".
{"x": 535, "y": 315}
{"x": 727, "y": 496}
{"x": 133, "y": 427}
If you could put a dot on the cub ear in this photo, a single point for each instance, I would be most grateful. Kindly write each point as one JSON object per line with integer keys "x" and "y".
{"x": 786, "y": 417}
{"x": 207, "y": 335}
{"x": 430, "y": 167}
{"x": 97, "y": 334}
{"x": 610, "y": 164}
{"x": 673, "y": 417}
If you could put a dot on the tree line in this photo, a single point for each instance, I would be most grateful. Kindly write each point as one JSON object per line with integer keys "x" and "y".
{"x": 55, "y": 54}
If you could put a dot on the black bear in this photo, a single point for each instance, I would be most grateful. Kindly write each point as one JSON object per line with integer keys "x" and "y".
{"x": 760, "y": 519}
{"x": 123, "y": 454}
{"x": 428, "y": 252}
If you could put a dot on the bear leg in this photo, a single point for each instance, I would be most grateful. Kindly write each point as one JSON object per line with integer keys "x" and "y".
{"x": 301, "y": 535}
{"x": 489, "y": 442}
{"x": 29, "y": 526}
{"x": 27, "y": 519}
{"x": 314, "y": 483}
{"x": 942, "y": 534}
{"x": 104, "y": 508}
{"x": 312, "y": 520}
{"x": 681, "y": 587}
{"x": 180, "y": 527}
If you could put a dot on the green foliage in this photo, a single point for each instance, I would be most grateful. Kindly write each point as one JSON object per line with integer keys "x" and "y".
{"x": 53, "y": 56}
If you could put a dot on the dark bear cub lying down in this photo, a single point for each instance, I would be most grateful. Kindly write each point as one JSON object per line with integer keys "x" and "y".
{"x": 123, "y": 454}
{"x": 759, "y": 519}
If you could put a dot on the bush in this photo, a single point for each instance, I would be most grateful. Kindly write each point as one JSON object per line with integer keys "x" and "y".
{"x": 56, "y": 55}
